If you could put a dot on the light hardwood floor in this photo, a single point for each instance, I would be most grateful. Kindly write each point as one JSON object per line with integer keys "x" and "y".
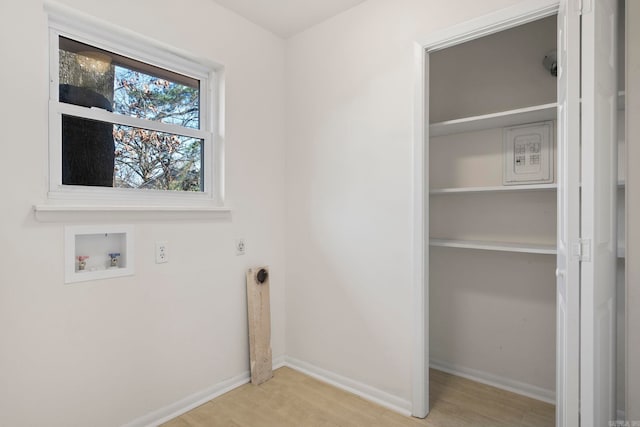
{"x": 294, "y": 399}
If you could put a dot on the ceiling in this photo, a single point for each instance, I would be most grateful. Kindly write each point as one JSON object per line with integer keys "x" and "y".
{"x": 288, "y": 17}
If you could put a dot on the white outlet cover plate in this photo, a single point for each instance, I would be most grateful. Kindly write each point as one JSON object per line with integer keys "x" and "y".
{"x": 241, "y": 246}
{"x": 162, "y": 252}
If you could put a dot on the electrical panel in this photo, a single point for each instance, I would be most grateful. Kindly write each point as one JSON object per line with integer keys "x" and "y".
{"x": 528, "y": 154}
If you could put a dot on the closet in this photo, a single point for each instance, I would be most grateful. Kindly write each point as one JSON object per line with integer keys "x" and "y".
{"x": 523, "y": 252}
{"x": 492, "y": 237}
{"x": 492, "y": 231}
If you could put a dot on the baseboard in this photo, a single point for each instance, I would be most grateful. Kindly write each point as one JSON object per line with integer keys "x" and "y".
{"x": 279, "y": 362}
{"x": 365, "y": 391}
{"x": 182, "y": 406}
{"x": 178, "y": 408}
{"x": 497, "y": 381}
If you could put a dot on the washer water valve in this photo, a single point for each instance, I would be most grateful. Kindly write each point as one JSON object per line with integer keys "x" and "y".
{"x": 82, "y": 261}
{"x": 114, "y": 259}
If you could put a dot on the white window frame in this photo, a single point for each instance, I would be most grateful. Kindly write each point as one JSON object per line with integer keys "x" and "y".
{"x": 85, "y": 29}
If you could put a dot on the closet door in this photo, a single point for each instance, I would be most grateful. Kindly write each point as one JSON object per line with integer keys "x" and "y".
{"x": 598, "y": 220}
{"x": 568, "y": 265}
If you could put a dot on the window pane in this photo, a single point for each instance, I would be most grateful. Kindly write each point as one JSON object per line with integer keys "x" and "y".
{"x": 103, "y": 154}
{"x": 92, "y": 77}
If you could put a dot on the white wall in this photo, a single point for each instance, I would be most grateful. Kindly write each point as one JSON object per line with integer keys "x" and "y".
{"x": 349, "y": 193}
{"x": 633, "y": 211}
{"x": 493, "y": 316}
{"x": 499, "y": 72}
{"x": 104, "y": 353}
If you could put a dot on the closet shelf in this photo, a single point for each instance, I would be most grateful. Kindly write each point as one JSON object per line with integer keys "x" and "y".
{"x": 504, "y": 247}
{"x": 495, "y": 246}
{"x": 532, "y": 187}
{"x": 518, "y": 116}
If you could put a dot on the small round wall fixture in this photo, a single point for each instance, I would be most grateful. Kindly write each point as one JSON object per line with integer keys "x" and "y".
{"x": 262, "y": 276}
{"x": 550, "y": 62}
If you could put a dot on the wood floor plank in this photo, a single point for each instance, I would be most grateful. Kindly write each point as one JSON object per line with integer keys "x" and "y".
{"x": 292, "y": 399}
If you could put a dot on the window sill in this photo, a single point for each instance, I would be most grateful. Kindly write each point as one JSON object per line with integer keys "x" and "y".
{"x": 116, "y": 213}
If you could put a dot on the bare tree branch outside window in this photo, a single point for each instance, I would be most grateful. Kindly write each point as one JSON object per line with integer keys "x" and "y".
{"x": 142, "y": 158}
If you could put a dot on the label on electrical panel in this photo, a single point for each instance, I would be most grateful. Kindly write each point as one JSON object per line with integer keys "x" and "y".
{"x": 528, "y": 154}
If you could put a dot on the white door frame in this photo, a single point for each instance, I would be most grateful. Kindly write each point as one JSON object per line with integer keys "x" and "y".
{"x": 599, "y": 175}
{"x": 519, "y": 14}
{"x": 632, "y": 264}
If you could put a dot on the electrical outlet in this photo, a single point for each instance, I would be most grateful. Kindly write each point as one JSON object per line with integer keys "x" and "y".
{"x": 241, "y": 248}
{"x": 162, "y": 252}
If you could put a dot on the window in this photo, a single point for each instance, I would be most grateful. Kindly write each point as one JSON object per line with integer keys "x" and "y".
{"x": 129, "y": 120}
